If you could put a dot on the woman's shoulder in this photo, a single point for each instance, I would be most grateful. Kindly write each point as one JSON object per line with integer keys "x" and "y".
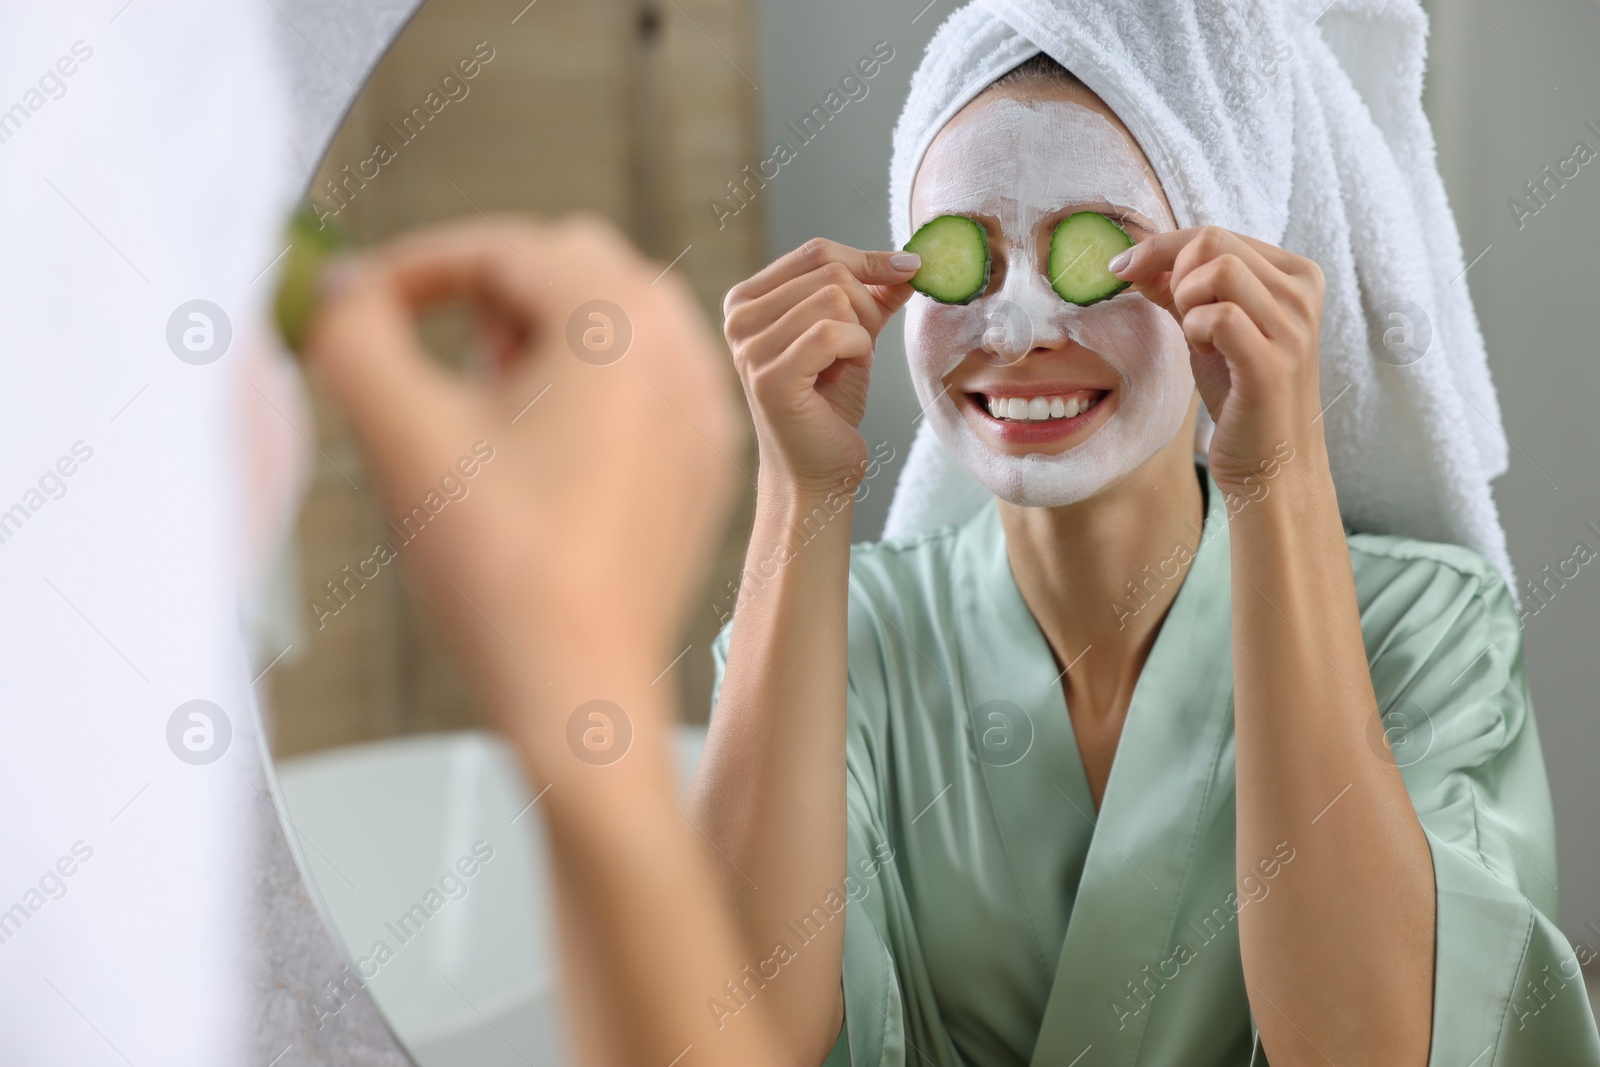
{"x": 904, "y": 590}
{"x": 1387, "y": 551}
{"x": 1383, "y": 557}
{"x": 896, "y": 568}
{"x": 901, "y": 581}
{"x": 929, "y": 540}
{"x": 1423, "y": 582}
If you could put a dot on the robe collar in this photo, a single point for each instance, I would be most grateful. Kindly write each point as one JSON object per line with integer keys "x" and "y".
{"x": 1172, "y": 774}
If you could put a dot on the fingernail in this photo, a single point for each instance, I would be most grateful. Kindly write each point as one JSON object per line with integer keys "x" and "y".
{"x": 905, "y": 261}
{"x": 1120, "y": 263}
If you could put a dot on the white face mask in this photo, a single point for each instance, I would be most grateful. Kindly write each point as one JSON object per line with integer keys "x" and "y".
{"x": 1020, "y": 167}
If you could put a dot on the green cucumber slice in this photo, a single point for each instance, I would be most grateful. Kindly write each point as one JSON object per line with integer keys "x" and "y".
{"x": 311, "y": 244}
{"x": 1081, "y": 247}
{"x": 955, "y": 259}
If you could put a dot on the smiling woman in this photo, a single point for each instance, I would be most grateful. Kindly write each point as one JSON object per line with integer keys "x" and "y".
{"x": 1168, "y": 748}
{"x": 1072, "y": 783}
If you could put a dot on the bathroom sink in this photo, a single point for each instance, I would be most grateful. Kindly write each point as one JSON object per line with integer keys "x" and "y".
{"x": 432, "y": 866}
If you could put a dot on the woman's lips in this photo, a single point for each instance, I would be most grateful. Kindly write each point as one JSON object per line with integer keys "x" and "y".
{"x": 1036, "y": 417}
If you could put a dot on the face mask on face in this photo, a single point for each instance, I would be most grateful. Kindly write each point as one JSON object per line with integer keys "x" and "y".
{"x": 1023, "y": 166}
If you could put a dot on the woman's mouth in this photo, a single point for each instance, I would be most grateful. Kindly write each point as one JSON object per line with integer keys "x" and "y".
{"x": 1036, "y": 418}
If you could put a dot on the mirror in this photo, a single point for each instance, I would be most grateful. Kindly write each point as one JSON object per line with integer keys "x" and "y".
{"x": 419, "y": 835}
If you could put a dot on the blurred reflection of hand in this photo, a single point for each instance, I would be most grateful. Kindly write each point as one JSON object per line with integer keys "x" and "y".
{"x": 563, "y": 572}
{"x": 613, "y": 428}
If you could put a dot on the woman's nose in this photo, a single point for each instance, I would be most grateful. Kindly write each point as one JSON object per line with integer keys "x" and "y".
{"x": 1025, "y": 314}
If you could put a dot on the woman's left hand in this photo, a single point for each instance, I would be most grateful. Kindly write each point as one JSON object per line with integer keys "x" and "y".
{"x": 1252, "y": 313}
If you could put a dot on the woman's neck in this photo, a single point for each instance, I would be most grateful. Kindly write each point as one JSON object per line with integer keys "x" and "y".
{"x": 1074, "y": 565}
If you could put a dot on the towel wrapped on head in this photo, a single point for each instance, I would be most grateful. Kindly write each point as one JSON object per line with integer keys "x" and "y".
{"x": 1298, "y": 124}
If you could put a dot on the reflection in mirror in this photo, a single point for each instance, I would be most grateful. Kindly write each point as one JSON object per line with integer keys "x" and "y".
{"x": 418, "y": 829}
{"x": 411, "y": 817}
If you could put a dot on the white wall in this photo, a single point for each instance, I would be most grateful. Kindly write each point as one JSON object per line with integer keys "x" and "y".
{"x": 1511, "y": 88}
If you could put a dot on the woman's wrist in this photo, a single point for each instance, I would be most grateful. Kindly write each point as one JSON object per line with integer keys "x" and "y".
{"x": 558, "y": 661}
{"x": 1291, "y": 477}
{"x": 1287, "y": 526}
{"x": 791, "y": 516}
{"x": 789, "y": 502}
{"x": 591, "y": 712}
{"x": 779, "y": 480}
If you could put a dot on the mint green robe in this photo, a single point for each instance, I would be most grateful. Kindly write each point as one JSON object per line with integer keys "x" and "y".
{"x": 993, "y": 918}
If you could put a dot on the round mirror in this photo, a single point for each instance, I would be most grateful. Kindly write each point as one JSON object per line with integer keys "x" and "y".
{"x": 717, "y": 135}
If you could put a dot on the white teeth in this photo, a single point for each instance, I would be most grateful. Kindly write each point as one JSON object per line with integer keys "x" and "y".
{"x": 1035, "y": 409}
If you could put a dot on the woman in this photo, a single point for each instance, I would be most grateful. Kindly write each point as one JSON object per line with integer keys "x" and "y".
{"x": 1101, "y": 771}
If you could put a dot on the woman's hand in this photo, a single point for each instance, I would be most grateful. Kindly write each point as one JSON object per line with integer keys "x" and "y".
{"x": 802, "y": 333}
{"x": 770, "y": 790}
{"x": 1362, "y": 899}
{"x": 591, "y": 527}
{"x": 563, "y": 574}
{"x": 1253, "y": 314}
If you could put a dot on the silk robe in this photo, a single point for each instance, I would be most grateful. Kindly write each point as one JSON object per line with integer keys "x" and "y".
{"x": 994, "y": 918}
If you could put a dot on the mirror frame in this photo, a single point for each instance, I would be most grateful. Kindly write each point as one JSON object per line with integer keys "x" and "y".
{"x": 313, "y": 1006}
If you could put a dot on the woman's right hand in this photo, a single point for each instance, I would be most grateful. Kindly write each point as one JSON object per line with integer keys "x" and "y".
{"x": 802, "y": 333}
{"x": 770, "y": 790}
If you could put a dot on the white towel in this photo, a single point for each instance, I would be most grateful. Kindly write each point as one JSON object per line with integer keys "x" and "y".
{"x": 1302, "y": 125}
{"x": 142, "y": 165}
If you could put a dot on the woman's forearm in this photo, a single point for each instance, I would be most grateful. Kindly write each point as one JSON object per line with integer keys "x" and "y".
{"x": 770, "y": 793}
{"x": 647, "y": 941}
{"x": 1339, "y": 957}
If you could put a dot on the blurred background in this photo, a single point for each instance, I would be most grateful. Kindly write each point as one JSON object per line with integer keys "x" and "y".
{"x": 651, "y": 111}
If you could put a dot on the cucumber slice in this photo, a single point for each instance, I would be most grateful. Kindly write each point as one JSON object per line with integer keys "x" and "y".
{"x": 311, "y": 244}
{"x": 1081, "y": 247}
{"x": 955, "y": 259}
